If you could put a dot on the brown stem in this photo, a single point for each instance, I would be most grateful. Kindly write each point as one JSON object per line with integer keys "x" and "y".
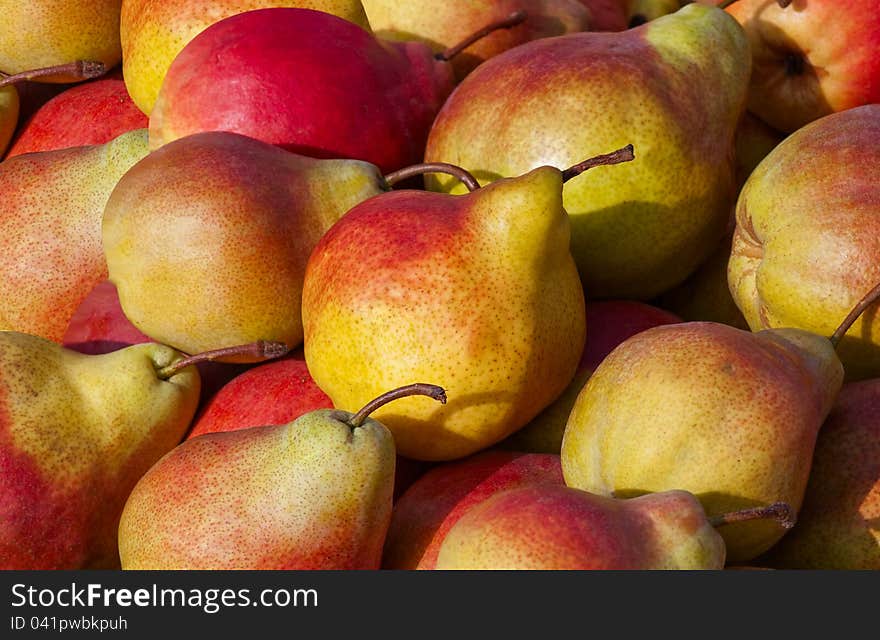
{"x": 434, "y": 167}
{"x": 782, "y": 3}
{"x": 780, "y": 511}
{"x": 79, "y": 70}
{"x": 256, "y": 351}
{"x": 870, "y": 298}
{"x": 615, "y": 157}
{"x": 514, "y": 19}
{"x": 417, "y": 389}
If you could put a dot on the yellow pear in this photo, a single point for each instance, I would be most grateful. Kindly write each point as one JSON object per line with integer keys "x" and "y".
{"x": 45, "y": 33}
{"x": 726, "y": 414}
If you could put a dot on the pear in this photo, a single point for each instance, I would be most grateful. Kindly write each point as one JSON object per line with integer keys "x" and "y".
{"x": 674, "y": 87}
{"x": 311, "y": 494}
{"x": 444, "y": 23}
{"x": 725, "y": 414}
{"x": 478, "y": 292}
{"x": 207, "y": 238}
{"x": 51, "y": 254}
{"x": 805, "y": 247}
{"x": 610, "y": 322}
{"x": 839, "y": 523}
{"x": 426, "y": 512}
{"x": 45, "y": 33}
{"x": 76, "y": 434}
{"x": 550, "y": 527}
{"x": 153, "y": 32}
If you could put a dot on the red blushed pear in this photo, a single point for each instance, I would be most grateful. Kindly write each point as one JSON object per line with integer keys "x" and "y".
{"x": 76, "y": 434}
{"x": 91, "y": 113}
{"x": 13, "y": 105}
{"x": 153, "y": 32}
{"x": 609, "y": 323}
{"x": 729, "y": 415}
{"x": 311, "y": 494}
{"x": 548, "y": 527}
{"x": 810, "y": 57}
{"x": 839, "y": 523}
{"x": 308, "y": 81}
{"x": 606, "y": 15}
{"x": 51, "y": 255}
{"x": 477, "y": 291}
{"x": 434, "y": 503}
{"x": 805, "y": 248}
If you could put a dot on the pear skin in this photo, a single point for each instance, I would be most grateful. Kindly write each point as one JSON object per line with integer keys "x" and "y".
{"x": 311, "y": 494}
{"x": 153, "y": 32}
{"x": 207, "y": 238}
{"x": 839, "y": 524}
{"x": 45, "y": 33}
{"x": 728, "y": 415}
{"x": 547, "y": 527}
{"x": 805, "y": 248}
{"x": 76, "y": 434}
{"x": 477, "y": 292}
{"x": 675, "y": 88}
{"x": 444, "y": 23}
{"x": 50, "y": 230}
{"x": 426, "y": 512}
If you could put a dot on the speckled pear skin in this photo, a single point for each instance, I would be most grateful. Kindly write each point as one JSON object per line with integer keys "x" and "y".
{"x": 728, "y": 415}
{"x": 207, "y": 238}
{"x": 76, "y": 434}
{"x": 50, "y": 230}
{"x": 805, "y": 250}
{"x": 311, "y": 494}
{"x": 548, "y": 527}
{"x": 839, "y": 524}
{"x": 9, "y": 106}
{"x": 477, "y": 293}
{"x": 153, "y": 32}
{"x": 45, "y": 33}
{"x": 445, "y": 23}
{"x": 674, "y": 88}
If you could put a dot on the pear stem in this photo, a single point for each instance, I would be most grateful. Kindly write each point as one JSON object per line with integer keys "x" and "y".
{"x": 260, "y": 350}
{"x": 782, "y": 3}
{"x": 780, "y": 511}
{"x": 870, "y": 298}
{"x": 81, "y": 69}
{"x": 615, "y": 157}
{"x": 434, "y": 167}
{"x": 514, "y": 19}
{"x": 417, "y": 389}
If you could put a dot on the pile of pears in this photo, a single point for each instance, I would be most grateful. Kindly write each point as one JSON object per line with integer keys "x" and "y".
{"x": 356, "y": 284}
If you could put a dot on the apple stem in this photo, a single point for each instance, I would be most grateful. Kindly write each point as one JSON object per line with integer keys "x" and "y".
{"x": 615, "y": 157}
{"x": 81, "y": 69}
{"x": 417, "y": 389}
{"x": 514, "y": 19}
{"x": 782, "y": 3}
{"x": 434, "y": 167}
{"x": 869, "y": 299}
{"x": 780, "y": 511}
{"x": 260, "y": 350}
